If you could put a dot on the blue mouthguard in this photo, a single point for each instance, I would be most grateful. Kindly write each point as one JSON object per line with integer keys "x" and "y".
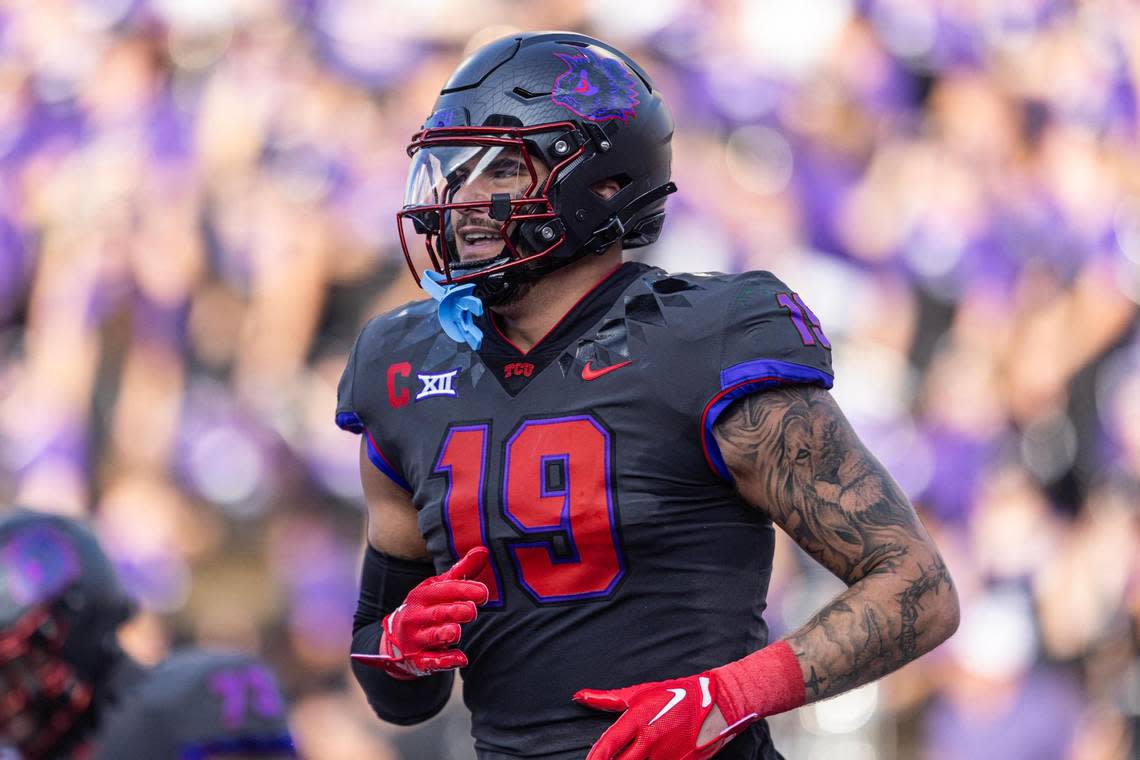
{"x": 458, "y": 307}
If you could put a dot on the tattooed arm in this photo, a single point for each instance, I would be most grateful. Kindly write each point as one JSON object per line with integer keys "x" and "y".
{"x": 794, "y": 455}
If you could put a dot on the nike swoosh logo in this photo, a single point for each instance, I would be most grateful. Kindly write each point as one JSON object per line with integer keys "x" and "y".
{"x": 678, "y": 695}
{"x": 589, "y": 373}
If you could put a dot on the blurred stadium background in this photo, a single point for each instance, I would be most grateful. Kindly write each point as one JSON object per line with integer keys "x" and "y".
{"x": 196, "y": 216}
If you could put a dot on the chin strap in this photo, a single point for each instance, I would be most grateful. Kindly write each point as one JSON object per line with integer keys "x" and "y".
{"x": 458, "y": 306}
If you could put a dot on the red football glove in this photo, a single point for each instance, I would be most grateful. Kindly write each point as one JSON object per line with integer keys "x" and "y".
{"x": 419, "y": 635}
{"x": 662, "y": 720}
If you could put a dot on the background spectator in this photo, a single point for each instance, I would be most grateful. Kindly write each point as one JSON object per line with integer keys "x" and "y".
{"x": 197, "y": 206}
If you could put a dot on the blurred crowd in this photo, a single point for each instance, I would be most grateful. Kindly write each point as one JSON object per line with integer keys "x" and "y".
{"x": 197, "y": 206}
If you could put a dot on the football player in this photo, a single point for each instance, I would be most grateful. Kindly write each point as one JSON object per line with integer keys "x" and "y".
{"x": 69, "y": 690}
{"x": 573, "y": 465}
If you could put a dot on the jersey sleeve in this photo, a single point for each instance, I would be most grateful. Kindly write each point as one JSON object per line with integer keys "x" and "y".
{"x": 768, "y": 338}
{"x": 356, "y": 412}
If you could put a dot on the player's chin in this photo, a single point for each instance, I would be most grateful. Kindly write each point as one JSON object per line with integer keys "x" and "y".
{"x": 509, "y": 302}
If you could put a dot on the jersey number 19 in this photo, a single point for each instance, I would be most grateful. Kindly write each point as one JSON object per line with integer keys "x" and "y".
{"x": 556, "y": 493}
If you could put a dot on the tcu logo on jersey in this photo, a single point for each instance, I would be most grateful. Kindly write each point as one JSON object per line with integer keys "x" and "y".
{"x": 518, "y": 369}
{"x": 437, "y": 385}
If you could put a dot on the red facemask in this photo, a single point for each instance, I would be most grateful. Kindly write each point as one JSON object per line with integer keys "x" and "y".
{"x": 469, "y": 191}
{"x": 41, "y": 696}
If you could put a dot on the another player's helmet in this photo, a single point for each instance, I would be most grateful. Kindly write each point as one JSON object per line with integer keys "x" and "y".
{"x": 516, "y": 108}
{"x": 60, "y": 606}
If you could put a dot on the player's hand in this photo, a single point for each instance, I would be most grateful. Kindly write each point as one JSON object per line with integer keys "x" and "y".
{"x": 664, "y": 720}
{"x": 420, "y": 635}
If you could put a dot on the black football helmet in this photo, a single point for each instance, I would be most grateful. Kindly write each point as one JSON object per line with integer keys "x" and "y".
{"x": 60, "y": 607}
{"x": 500, "y": 187}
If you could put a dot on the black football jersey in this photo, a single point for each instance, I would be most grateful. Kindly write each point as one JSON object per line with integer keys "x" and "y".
{"x": 620, "y": 551}
{"x": 198, "y": 705}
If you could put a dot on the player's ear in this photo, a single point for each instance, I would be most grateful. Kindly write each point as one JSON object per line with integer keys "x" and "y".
{"x": 607, "y": 188}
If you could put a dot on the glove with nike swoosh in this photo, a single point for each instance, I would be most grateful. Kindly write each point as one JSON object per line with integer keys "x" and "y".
{"x": 659, "y": 720}
{"x": 419, "y": 636}
{"x": 662, "y": 720}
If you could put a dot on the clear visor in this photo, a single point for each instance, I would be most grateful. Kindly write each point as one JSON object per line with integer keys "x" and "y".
{"x": 463, "y": 205}
{"x": 459, "y": 174}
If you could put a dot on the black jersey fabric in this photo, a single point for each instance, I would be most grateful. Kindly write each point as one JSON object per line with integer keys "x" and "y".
{"x": 498, "y": 353}
{"x": 620, "y": 551}
{"x": 197, "y": 705}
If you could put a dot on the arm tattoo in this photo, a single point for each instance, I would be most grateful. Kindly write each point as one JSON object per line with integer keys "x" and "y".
{"x": 794, "y": 455}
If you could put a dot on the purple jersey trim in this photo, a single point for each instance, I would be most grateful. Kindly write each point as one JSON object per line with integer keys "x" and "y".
{"x": 746, "y": 378}
{"x": 383, "y": 465}
{"x": 349, "y": 421}
{"x": 245, "y": 746}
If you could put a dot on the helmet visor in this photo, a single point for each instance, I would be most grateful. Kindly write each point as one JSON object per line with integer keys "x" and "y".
{"x": 467, "y": 201}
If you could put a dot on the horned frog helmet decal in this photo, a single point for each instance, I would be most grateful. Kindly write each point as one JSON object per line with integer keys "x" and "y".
{"x": 595, "y": 88}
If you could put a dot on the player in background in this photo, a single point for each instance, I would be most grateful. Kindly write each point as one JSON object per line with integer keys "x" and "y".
{"x": 67, "y": 690}
{"x": 573, "y": 465}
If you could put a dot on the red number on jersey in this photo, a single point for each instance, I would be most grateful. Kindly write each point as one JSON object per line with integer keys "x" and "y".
{"x": 463, "y": 458}
{"x": 557, "y": 495}
{"x": 557, "y": 483}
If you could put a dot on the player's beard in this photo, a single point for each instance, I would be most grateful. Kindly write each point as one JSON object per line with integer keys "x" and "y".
{"x": 508, "y": 301}
{"x": 515, "y": 285}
